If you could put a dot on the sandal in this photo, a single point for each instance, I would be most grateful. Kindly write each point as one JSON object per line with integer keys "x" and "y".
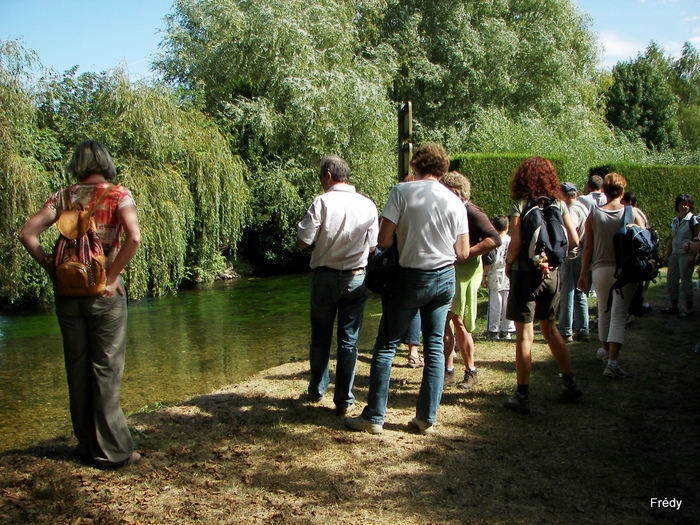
{"x": 415, "y": 361}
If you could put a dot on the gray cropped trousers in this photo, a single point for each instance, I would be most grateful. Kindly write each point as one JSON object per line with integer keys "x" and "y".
{"x": 94, "y": 345}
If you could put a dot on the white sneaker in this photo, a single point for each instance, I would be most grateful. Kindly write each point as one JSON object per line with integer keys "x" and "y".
{"x": 613, "y": 371}
{"x": 602, "y": 354}
{"x": 362, "y": 424}
{"x": 423, "y": 427}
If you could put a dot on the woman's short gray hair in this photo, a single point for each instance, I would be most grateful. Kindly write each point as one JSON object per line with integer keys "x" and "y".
{"x": 91, "y": 157}
{"x": 458, "y": 183}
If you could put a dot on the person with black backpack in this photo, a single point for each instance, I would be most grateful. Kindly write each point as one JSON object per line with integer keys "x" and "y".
{"x": 540, "y": 228}
{"x": 599, "y": 257}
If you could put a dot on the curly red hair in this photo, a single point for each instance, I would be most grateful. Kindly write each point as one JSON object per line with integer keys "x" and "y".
{"x": 535, "y": 177}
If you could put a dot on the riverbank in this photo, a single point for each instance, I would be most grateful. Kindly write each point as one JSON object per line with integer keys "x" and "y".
{"x": 257, "y": 452}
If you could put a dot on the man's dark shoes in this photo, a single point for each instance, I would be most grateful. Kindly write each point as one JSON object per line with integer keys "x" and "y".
{"x": 341, "y": 411}
{"x": 519, "y": 403}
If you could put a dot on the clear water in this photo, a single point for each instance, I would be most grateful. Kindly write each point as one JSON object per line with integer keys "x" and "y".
{"x": 177, "y": 347}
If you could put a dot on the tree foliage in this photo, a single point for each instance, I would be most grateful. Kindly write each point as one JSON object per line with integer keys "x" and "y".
{"x": 283, "y": 79}
{"x": 641, "y": 103}
{"x": 685, "y": 83}
{"x": 191, "y": 195}
{"x": 290, "y": 81}
{"x": 23, "y": 181}
{"x": 456, "y": 58}
{"x": 223, "y": 156}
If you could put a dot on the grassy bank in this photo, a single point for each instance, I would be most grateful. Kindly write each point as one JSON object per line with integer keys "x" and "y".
{"x": 258, "y": 453}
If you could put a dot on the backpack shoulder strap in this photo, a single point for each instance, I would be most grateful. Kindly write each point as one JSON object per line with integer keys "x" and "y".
{"x": 530, "y": 204}
{"x": 628, "y": 216}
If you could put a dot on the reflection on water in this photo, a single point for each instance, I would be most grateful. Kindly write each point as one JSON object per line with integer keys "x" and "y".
{"x": 177, "y": 347}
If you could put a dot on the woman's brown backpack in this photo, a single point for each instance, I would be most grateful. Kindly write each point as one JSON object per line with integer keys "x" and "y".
{"x": 79, "y": 267}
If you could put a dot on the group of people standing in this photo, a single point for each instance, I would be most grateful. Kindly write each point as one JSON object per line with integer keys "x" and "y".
{"x": 441, "y": 237}
{"x": 429, "y": 224}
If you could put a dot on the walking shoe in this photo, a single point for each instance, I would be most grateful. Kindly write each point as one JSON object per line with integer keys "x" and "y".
{"x": 602, "y": 354}
{"x": 568, "y": 338}
{"x": 570, "y": 389}
{"x": 471, "y": 378}
{"x": 505, "y": 336}
{"x": 613, "y": 371}
{"x": 423, "y": 427}
{"x": 310, "y": 398}
{"x": 670, "y": 310}
{"x": 519, "y": 403}
{"x": 135, "y": 457}
{"x": 582, "y": 336}
{"x": 362, "y": 424}
{"x": 685, "y": 314}
{"x": 341, "y": 411}
{"x": 493, "y": 336}
{"x": 450, "y": 380}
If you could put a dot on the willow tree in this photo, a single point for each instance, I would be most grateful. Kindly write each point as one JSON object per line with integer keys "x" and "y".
{"x": 456, "y": 59}
{"x": 24, "y": 183}
{"x": 284, "y": 81}
{"x": 190, "y": 191}
{"x": 191, "y": 195}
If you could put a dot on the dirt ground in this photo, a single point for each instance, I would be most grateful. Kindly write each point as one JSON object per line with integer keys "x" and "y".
{"x": 257, "y": 452}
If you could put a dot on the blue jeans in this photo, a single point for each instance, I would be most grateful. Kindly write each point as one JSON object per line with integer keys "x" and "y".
{"x": 412, "y": 336}
{"x": 573, "y": 305}
{"x": 429, "y": 292}
{"x": 345, "y": 294}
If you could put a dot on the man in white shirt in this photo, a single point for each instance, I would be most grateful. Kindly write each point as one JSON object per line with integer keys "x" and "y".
{"x": 342, "y": 226}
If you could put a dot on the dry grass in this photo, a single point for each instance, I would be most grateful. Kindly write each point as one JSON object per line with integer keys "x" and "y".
{"x": 257, "y": 453}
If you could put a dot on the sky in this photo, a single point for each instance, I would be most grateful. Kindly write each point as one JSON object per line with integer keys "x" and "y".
{"x": 99, "y": 35}
{"x": 625, "y": 27}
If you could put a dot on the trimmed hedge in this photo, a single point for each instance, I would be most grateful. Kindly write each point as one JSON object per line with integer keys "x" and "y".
{"x": 491, "y": 174}
{"x": 656, "y": 186}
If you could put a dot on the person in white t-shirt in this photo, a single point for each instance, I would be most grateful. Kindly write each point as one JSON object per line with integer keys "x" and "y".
{"x": 432, "y": 233}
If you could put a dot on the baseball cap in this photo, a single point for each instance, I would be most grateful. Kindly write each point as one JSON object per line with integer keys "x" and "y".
{"x": 568, "y": 187}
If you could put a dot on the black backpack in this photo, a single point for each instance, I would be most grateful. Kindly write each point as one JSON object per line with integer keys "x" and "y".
{"x": 543, "y": 234}
{"x": 636, "y": 255}
{"x": 636, "y": 252}
{"x": 382, "y": 268}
